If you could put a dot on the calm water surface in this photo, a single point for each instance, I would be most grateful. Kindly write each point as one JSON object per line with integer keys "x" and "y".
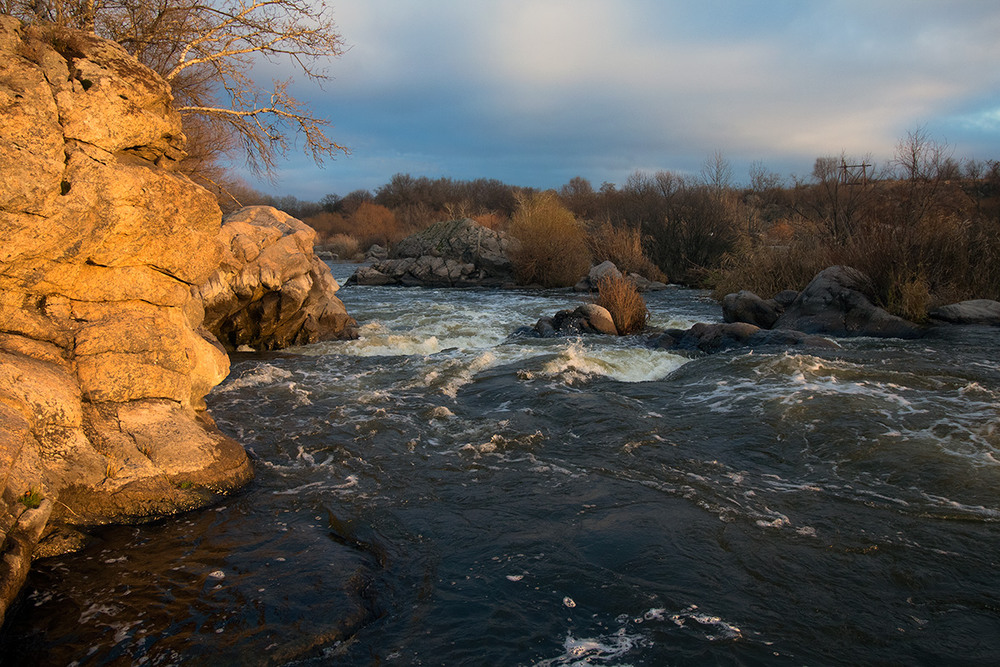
{"x": 441, "y": 493}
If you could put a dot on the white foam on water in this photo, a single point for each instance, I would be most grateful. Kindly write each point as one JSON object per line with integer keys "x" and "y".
{"x": 576, "y": 362}
{"x": 590, "y": 650}
{"x": 454, "y": 374}
{"x": 259, "y": 376}
{"x": 610, "y": 648}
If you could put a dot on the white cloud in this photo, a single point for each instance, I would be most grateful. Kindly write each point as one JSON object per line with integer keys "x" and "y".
{"x": 445, "y": 82}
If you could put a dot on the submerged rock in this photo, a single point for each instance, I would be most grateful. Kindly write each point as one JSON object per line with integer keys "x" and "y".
{"x": 453, "y": 253}
{"x": 588, "y": 318}
{"x": 271, "y": 291}
{"x": 712, "y": 338}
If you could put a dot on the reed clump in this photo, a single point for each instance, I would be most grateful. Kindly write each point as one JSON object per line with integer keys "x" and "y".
{"x": 627, "y": 307}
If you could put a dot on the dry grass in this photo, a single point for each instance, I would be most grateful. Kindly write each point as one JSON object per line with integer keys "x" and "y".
{"x": 552, "y": 249}
{"x": 343, "y": 246}
{"x": 623, "y": 246}
{"x": 766, "y": 270}
{"x": 627, "y": 307}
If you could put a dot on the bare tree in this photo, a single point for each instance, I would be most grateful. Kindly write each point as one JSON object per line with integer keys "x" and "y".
{"x": 717, "y": 173}
{"x": 207, "y": 51}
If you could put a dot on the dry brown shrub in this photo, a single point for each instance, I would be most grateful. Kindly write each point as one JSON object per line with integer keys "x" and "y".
{"x": 766, "y": 270}
{"x": 373, "y": 223}
{"x": 627, "y": 307}
{"x": 552, "y": 249}
{"x": 343, "y": 246}
{"x": 623, "y": 246}
{"x": 328, "y": 225}
{"x": 910, "y": 299}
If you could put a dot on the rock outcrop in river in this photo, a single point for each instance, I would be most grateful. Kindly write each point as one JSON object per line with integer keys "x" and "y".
{"x": 271, "y": 290}
{"x": 104, "y": 363}
{"x": 833, "y": 304}
{"x": 454, "y": 253}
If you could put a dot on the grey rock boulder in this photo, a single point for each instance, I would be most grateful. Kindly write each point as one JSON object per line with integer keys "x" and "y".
{"x": 835, "y": 304}
{"x": 976, "y": 311}
{"x": 452, "y": 253}
{"x": 745, "y": 306}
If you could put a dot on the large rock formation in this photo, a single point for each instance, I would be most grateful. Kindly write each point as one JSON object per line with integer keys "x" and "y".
{"x": 271, "y": 291}
{"x": 454, "y": 253}
{"x": 833, "y": 304}
{"x": 103, "y": 361}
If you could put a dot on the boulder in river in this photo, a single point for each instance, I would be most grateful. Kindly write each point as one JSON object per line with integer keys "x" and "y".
{"x": 714, "y": 337}
{"x": 976, "y": 311}
{"x": 271, "y": 291}
{"x": 834, "y": 304}
{"x": 452, "y": 253}
{"x": 607, "y": 268}
{"x": 745, "y": 306}
{"x": 588, "y": 318}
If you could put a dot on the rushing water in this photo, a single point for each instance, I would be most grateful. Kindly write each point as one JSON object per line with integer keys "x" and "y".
{"x": 441, "y": 493}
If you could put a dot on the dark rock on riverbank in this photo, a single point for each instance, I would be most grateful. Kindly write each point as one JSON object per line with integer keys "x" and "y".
{"x": 453, "y": 253}
{"x": 834, "y": 304}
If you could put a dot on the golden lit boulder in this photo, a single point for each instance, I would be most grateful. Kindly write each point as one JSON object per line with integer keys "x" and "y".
{"x": 271, "y": 290}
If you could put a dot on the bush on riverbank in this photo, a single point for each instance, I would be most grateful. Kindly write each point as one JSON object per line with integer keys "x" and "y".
{"x": 552, "y": 246}
{"x": 623, "y": 246}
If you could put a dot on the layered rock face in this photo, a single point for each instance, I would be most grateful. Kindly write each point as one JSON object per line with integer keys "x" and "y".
{"x": 103, "y": 361}
{"x": 271, "y": 291}
{"x": 453, "y": 253}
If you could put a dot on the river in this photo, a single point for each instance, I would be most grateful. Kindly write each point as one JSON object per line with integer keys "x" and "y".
{"x": 440, "y": 492}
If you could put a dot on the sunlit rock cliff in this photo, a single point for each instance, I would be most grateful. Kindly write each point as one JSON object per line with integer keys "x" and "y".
{"x": 104, "y": 363}
{"x": 271, "y": 291}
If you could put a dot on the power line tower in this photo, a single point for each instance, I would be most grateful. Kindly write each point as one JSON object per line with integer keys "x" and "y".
{"x": 854, "y": 174}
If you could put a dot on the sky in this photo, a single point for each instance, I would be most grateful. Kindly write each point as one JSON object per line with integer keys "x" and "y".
{"x": 536, "y": 92}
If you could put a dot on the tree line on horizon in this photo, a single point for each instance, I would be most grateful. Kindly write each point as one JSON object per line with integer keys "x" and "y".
{"x": 925, "y": 226}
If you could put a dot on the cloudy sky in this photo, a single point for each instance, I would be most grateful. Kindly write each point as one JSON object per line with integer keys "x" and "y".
{"x": 535, "y": 92}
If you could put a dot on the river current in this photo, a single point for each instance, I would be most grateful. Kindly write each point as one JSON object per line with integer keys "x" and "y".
{"x": 440, "y": 492}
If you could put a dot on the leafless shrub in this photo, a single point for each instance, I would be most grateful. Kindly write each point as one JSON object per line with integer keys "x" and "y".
{"x": 627, "y": 307}
{"x": 552, "y": 249}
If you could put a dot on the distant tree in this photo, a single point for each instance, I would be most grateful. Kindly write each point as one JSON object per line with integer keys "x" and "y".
{"x": 207, "y": 51}
{"x": 762, "y": 180}
{"x": 717, "y": 173}
{"x": 579, "y": 197}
